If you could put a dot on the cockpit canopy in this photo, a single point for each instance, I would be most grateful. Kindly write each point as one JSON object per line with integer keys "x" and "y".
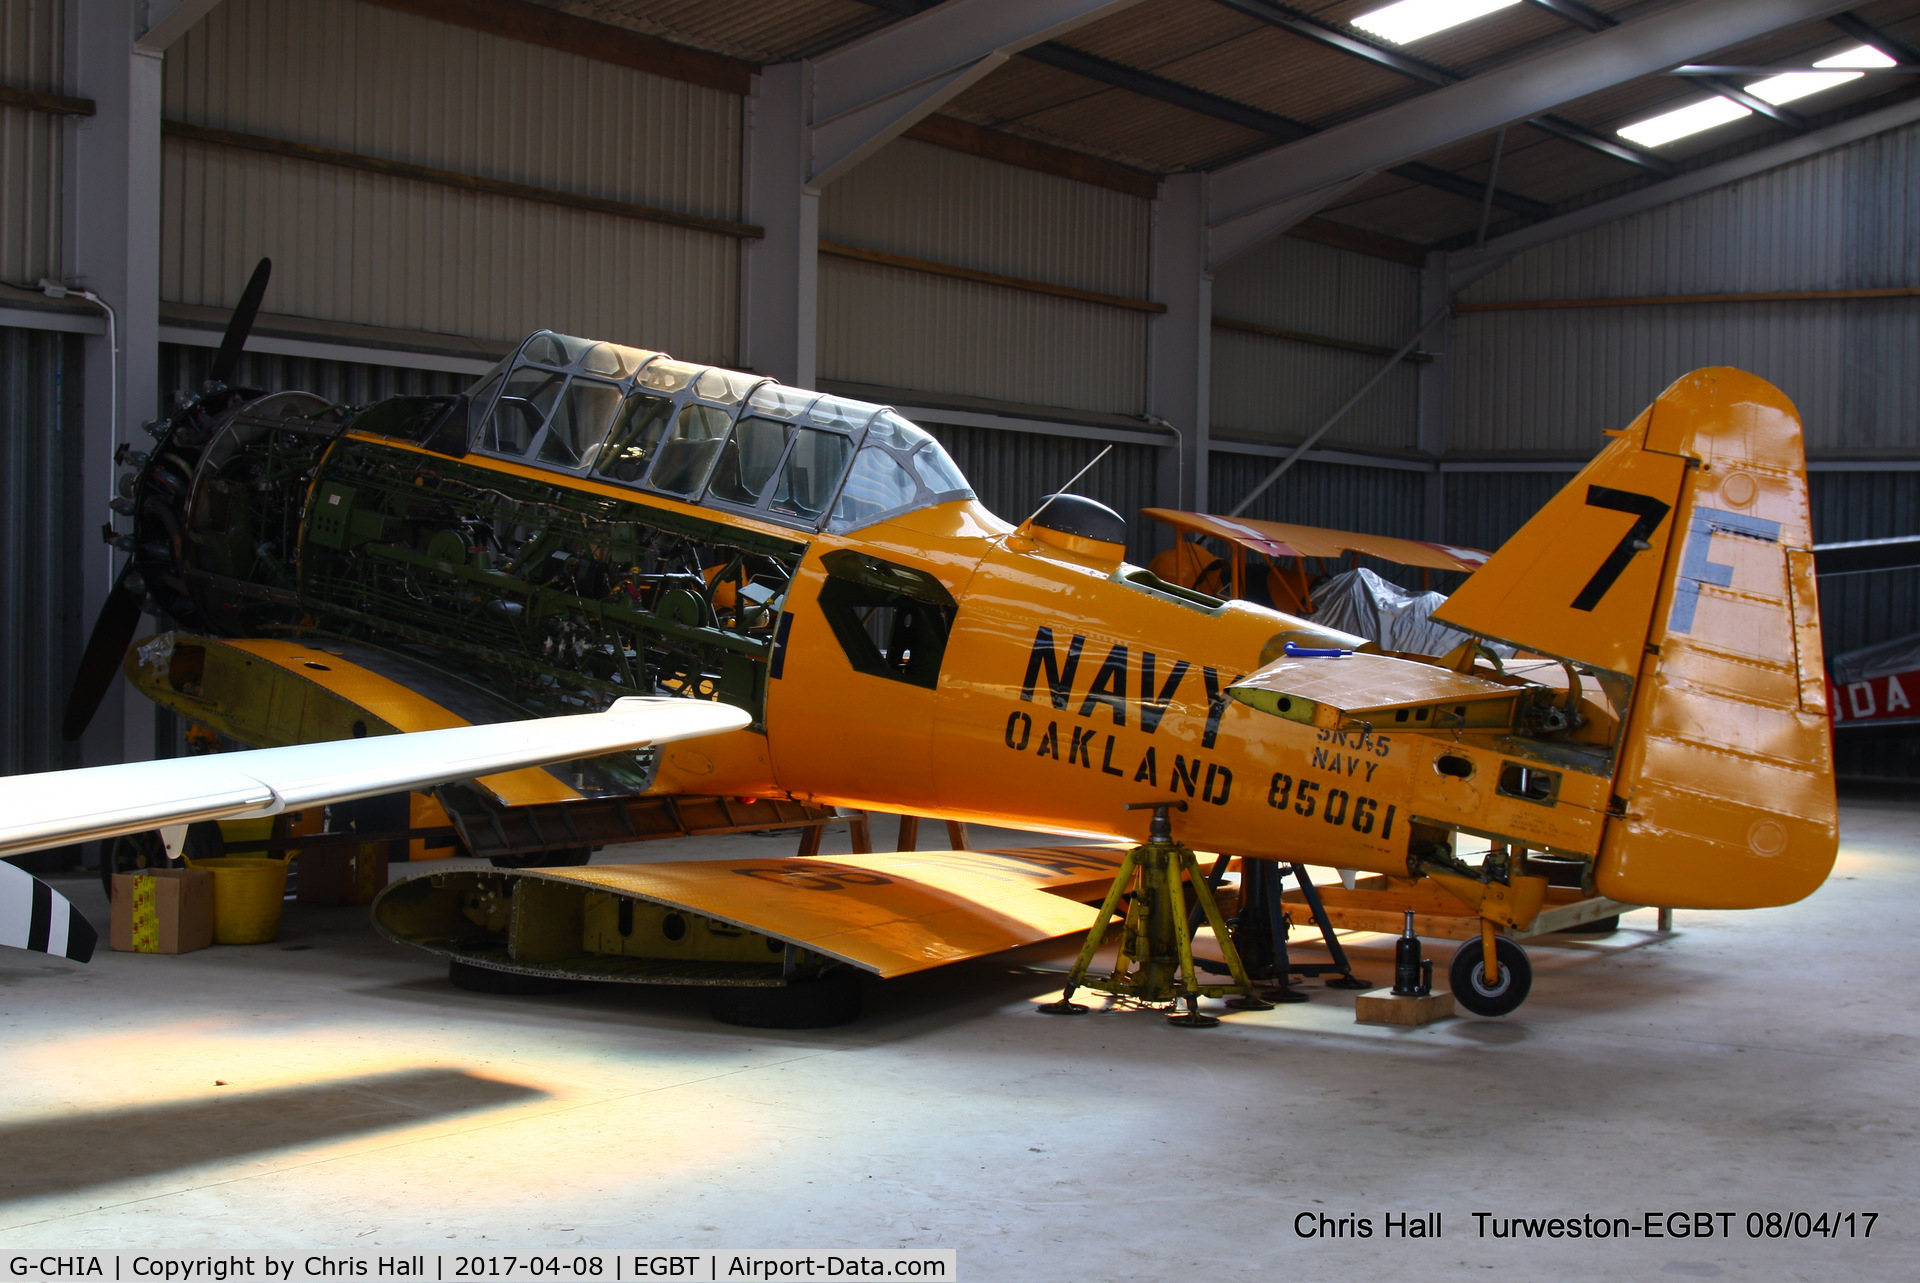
{"x": 706, "y": 435}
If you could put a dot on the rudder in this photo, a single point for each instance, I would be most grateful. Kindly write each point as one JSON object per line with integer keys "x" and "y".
{"x": 1682, "y": 557}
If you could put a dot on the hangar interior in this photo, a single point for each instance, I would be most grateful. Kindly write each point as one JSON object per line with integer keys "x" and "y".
{"x": 1191, "y": 230}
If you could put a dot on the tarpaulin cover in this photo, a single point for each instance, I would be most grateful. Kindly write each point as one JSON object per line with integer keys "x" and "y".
{"x": 1901, "y": 655}
{"x": 1361, "y": 602}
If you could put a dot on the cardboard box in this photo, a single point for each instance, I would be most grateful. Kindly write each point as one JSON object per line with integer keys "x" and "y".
{"x": 162, "y": 911}
{"x": 342, "y": 875}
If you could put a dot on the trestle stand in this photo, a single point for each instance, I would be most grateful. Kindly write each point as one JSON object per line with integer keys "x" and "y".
{"x": 1156, "y": 963}
{"x": 1261, "y": 927}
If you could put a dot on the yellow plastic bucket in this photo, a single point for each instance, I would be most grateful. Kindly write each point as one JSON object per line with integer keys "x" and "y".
{"x": 247, "y": 896}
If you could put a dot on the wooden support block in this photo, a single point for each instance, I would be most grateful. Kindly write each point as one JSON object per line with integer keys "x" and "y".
{"x": 1382, "y": 1007}
{"x": 909, "y": 834}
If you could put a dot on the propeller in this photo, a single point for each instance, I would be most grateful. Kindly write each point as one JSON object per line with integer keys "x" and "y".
{"x": 120, "y": 614}
{"x": 112, "y": 634}
{"x": 244, "y": 313}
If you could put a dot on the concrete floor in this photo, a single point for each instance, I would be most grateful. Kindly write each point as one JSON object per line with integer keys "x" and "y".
{"x": 332, "y": 1091}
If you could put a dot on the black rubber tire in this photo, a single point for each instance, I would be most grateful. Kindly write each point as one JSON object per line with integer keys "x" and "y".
{"x": 1468, "y": 977}
{"x": 1598, "y": 927}
{"x": 832, "y": 999}
{"x": 569, "y": 858}
{"x": 136, "y": 852}
{"x": 475, "y": 979}
{"x": 129, "y": 853}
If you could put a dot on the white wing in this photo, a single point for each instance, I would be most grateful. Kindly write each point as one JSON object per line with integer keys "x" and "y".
{"x": 59, "y": 807}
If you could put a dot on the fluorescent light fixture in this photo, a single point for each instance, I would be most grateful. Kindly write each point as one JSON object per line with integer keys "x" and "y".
{"x": 1409, "y": 20}
{"x": 1699, "y": 116}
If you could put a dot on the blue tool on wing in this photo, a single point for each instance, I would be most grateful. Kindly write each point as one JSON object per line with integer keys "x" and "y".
{"x": 1315, "y": 652}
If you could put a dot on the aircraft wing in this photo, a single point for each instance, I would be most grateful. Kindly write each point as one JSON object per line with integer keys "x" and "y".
{"x": 1284, "y": 539}
{"x": 58, "y": 807}
{"x": 888, "y": 914}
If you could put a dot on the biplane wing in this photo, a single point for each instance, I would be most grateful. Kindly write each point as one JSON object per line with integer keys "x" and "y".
{"x": 733, "y": 921}
{"x": 1285, "y": 539}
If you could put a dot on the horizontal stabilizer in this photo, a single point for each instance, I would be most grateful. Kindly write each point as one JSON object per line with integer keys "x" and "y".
{"x": 1379, "y": 689}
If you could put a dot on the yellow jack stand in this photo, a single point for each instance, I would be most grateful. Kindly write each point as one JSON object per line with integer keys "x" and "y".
{"x": 1156, "y": 952}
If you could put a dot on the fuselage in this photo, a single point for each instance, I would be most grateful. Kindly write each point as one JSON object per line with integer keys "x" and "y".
{"x": 592, "y": 522}
{"x": 1071, "y": 686}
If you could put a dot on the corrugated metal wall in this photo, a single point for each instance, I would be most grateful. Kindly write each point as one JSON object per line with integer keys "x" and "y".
{"x": 1483, "y": 509}
{"x": 366, "y": 248}
{"x": 1859, "y": 610}
{"x": 1011, "y": 471}
{"x": 41, "y": 523}
{"x": 30, "y": 142}
{"x": 345, "y": 382}
{"x": 907, "y": 329}
{"x": 1279, "y": 390}
{"x": 1381, "y": 501}
{"x": 1846, "y": 219}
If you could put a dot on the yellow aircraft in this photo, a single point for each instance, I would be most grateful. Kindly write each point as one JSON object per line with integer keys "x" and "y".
{"x": 592, "y": 521}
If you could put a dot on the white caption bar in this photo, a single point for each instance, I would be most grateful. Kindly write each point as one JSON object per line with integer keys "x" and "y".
{"x": 491, "y": 1267}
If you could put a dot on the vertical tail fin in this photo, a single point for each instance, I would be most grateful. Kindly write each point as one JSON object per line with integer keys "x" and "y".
{"x": 1682, "y": 557}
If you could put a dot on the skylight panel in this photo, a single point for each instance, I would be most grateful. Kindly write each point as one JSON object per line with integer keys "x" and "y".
{"x": 1690, "y": 119}
{"x": 1410, "y": 20}
{"x": 1798, "y": 84}
{"x": 1786, "y": 87}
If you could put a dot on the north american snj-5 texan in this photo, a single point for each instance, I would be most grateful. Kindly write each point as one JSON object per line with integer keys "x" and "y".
{"x": 813, "y": 610}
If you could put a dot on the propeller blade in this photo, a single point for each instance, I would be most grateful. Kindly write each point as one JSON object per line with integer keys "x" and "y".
{"x": 235, "y": 338}
{"x": 112, "y": 634}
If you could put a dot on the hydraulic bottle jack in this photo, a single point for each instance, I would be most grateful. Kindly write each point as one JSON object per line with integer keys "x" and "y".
{"x": 1155, "y": 964}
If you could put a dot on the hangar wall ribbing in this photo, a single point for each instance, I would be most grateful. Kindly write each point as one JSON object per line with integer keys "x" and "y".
{"x": 379, "y": 250}
{"x": 1846, "y": 219}
{"x": 31, "y": 152}
{"x": 901, "y": 328}
{"x": 1275, "y": 389}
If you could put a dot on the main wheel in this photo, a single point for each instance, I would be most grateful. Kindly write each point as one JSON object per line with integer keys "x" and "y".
{"x": 832, "y": 999}
{"x": 138, "y": 852}
{"x": 465, "y": 975}
{"x": 565, "y": 858}
{"x": 1468, "y": 975}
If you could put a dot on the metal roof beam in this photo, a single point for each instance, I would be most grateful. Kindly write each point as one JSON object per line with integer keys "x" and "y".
{"x": 168, "y": 20}
{"x": 1397, "y": 134}
{"x": 1342, "y": 39}
{"x": 1468, "y": 266}
{"x": 1868, "y": 34}
{"x": 1148, "y": 85}
{"x": 1753, "y": 102}
{"x": 1578, "y": 14}
{"x": 864, "y": 94}
{"x": 1357, "y": 46}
